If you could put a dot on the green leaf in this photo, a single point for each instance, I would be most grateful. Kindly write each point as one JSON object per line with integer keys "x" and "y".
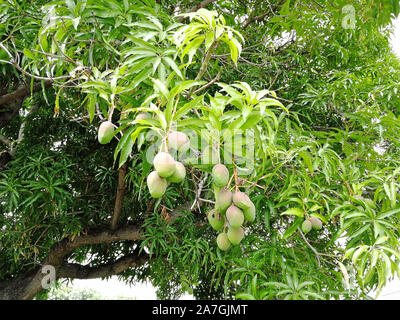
{"x": 173, "y": 66}
{"x": 91, "y": 106}
{"x": 294, "y": 211}
{"x": 29, "y": 54}
{"x": 245, "y": 296}
{"x": 296, "y": 224}
{"x": 307, "y": 158}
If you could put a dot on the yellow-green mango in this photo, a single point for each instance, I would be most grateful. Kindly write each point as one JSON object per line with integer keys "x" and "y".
{"x": 241, "y": 200}
{"x": 156, "y": 184}
{"x": 179, "y": 173}
{"x": 224, "y": 199}
{"x": 250, "y": 213}
{"x": 235, "y": 235}
{"x": 220, "y": 175}
{"x": 215, "y": 219}
{"x": 234, "y": 216}
{"x": 306, "y": 226}
{"x": 223, "y": 241}
{"x": 106, "y": 132}
{"x": 164, "y": 164}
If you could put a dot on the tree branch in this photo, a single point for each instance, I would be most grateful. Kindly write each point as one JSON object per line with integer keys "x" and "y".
{"x": 204, "y": 65}
{"x": 312, "y": 248}
{"x": 210, "y": 83}
{"x": 27, "y": 285}
{"x": 5, "y": 140}
{"x": 77, "y": 271}
{"x": 262, "y": 16}
{"x": 23, "y": 92}
{"x": 119, "y": 199}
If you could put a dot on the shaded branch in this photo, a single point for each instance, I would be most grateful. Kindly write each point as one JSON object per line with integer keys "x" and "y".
{"x": 24, "y": 91}
{"x": 77, "y": 271}
{"x": 5, "y": 140}
{"x": 119, "y": 199}
{"x": 28, "y": 285}
{"x": 312, "y": 248}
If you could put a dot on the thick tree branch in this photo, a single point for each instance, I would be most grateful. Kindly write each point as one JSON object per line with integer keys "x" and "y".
{"x": 77, "y": 271}
{"x": 119, "y": 199}
{"x": 23, "y": 92}
{"x": 5, "y": 140}
{"x": 11, "y": 103}
{"x": 28, "y": 285}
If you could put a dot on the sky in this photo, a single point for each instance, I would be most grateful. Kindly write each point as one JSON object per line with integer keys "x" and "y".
{"x": 113, "y": 288}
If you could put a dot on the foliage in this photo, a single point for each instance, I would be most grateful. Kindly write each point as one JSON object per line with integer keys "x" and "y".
{"x": 321, "y": 101}
{"x": 65, "y": 292}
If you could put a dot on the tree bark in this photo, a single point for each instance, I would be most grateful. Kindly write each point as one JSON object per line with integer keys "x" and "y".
{"x": 23, "y": 92}
{"x": 26, "y": 286}
{"x": 10, "y": 103}
{"x": 119, "y": 199}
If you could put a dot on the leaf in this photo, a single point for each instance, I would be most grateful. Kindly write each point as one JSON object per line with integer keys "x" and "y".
{"x": 387, "y": 214}
{"x": 160, "y": 86}
{"x": 346, "y": 276}
{"x": 307, "y": 158}
{"x": 297, "y": 222}
{"x": 187, "y": 107}
{"x": 125, "y": 137}
{"x": 358, "y": 252}
{"x": 245, "y": 296}
{"x": 29, "y": 54}
{"x": 294, "y": 211}
{"x": 144, "y": 74}
{"x": 91, "y": 106}
{"x": 184, "y": 86}
{"x": 173, "y": 66}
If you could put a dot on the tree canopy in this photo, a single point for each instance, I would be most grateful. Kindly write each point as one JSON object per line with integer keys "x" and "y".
{"x": 298, "y": 99}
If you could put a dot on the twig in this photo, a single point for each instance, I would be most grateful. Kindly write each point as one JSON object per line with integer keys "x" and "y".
{"x": 210, "y": 83}
{"x": 312, "y": 248}
{"x": 273, "y": 81}
{"x": 204, "y": 65}
{"x": 32, "y": 75}
{"x": 199, "y": 190}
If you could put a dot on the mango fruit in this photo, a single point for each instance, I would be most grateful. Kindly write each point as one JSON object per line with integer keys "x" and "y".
{"x": 250, "y": 213}
{"x": 179, "y": 173}
{"x": 316, "y": 223}
{"x": 223, "y": 241}
{"x": 164, "y": 164}
{"x": 220, "y": 175}
{"x": 179, "y": 141}
{"x": 234, "y": 216}
{"x": 235, "y": 235}
{"x": 106, "y": 132}
{"x": 306, "y": 226}
{"x": 143, "y": 115}
{"x": 156, "y": 184}
{"x": 241, "y": 200}
{"x": 215, "y": 219}
{"x": 224, "y": 199}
